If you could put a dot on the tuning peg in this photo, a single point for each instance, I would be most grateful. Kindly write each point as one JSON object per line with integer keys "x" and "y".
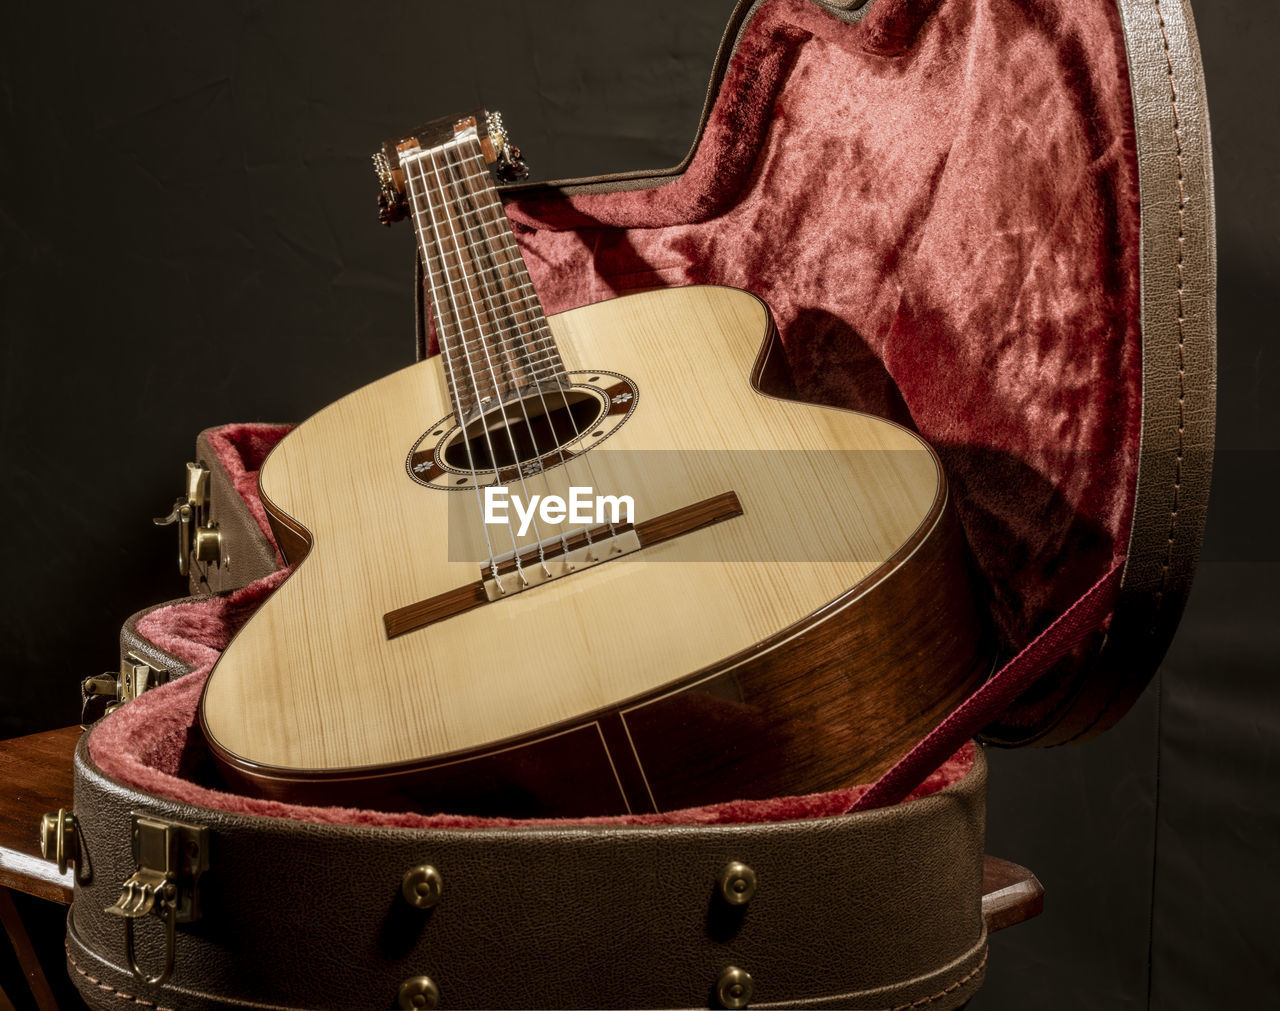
{"x": 391, "y": 202}
{"x": 511, "y": 165}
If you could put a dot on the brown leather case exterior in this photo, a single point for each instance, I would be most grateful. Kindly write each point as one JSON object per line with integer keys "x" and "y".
{"x": 874, "y": 910}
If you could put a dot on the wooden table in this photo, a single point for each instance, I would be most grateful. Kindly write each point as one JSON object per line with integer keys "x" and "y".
{"x": 35, "y": 777}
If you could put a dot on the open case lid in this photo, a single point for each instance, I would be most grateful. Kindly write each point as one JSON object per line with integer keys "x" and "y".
{"x": 988, "y": 219}
{"x": 992, "y": 221}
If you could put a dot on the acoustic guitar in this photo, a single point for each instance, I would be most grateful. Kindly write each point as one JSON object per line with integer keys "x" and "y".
{"x": 593, "y": 563}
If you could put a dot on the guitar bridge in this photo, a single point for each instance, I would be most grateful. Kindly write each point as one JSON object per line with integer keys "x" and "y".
{"x": 621, "y": 539}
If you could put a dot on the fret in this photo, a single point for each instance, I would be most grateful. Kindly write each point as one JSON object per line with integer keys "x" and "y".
{"x": 457, "y": 267}
{"x": 503, "y": 264}
{"x": 453, "y": 334}
{"x": 530, "y": 298}
{"x": 486, "y": 237}
{"x": 488, "y": 317}
{"x": 514, "y": 304}
{"x": 545, "y": 364}
{"x": 528, "y": 340}
{"x": 526, "y": 306}
{"x": 482, "y": 176}
{"x": 530, "y": 331}
{"x": 547, "y": 375}
{"x": 500, "y": 233}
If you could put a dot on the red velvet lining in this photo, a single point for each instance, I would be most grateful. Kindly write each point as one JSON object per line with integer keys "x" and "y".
{"x": 940, "y": 205}
{"x": 948, "y": 236}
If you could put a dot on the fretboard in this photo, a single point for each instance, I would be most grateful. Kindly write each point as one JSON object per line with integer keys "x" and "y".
{"x": 491, "y": 328}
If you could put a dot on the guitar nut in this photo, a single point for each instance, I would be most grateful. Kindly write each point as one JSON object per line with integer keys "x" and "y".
{"x": 737, "y": 884}
{"x": 422, "y": 887}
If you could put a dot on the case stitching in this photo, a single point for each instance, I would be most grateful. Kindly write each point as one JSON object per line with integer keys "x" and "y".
{"x": 1182, "y": 373}
{"x": 951, "y": 989}
{"x": 111, "y": 989}
{"x": 1182, "y": 334}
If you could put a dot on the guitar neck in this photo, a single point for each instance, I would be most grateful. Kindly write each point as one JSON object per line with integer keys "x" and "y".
{"x": 492, "y": 331}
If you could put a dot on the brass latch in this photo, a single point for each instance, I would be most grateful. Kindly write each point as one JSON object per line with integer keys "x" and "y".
{"x": 170, "y": 856}
{"x": 197, "y": 536}
{"x": 137, "y": 674}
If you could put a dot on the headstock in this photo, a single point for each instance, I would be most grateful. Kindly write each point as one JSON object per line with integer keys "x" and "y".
{"x": 502, "y": 157}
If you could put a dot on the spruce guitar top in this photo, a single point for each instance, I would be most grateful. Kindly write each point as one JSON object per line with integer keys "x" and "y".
{"x": 590, "y": 563}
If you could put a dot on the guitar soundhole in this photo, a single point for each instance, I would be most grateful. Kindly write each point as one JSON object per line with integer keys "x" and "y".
{"x": 538, "y": 432}
{"x": 522, "y": 430}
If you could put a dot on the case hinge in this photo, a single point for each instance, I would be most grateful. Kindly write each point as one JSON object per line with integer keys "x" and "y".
{"x": 170, "y": 857}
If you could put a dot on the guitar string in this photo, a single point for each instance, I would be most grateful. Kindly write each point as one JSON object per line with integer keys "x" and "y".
{"x": 505, "y": 265}
{"x": 550, "y": 362}
{"x": 462, "y": 421}
{"x": 517, "y": 262}
{"x": 552, "y": 367}
{"x": 522, "y": 283}
{"x": 509, "y": 247}
{"x": 517, "y": 463}
{"x": 543, "y": 336}
{"x": 519, "y": 317}
{"x": 459, "y": 322}
{"x": 493, "y": 565}
{"x": 508, "y": 336}
{"x": 496, "y": 268}
{"x": 477, "y": 404}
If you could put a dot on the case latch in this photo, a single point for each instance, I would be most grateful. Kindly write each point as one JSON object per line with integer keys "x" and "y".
{"x": 170, "y": 856}
{"x": 136, "y": 676}
{"x": 196, "y": 535}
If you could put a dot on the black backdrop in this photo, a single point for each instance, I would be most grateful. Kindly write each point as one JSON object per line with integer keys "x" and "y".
{"x": 187, "y": 214}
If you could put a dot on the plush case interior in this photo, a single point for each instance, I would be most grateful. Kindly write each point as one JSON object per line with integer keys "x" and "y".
{"x": 940, "y": 205}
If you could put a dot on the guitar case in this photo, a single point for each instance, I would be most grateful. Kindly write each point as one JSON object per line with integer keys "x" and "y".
{"x": 990, "y": 220}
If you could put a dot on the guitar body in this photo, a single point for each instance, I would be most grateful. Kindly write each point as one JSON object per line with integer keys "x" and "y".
{"x": 797, "y": 639}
